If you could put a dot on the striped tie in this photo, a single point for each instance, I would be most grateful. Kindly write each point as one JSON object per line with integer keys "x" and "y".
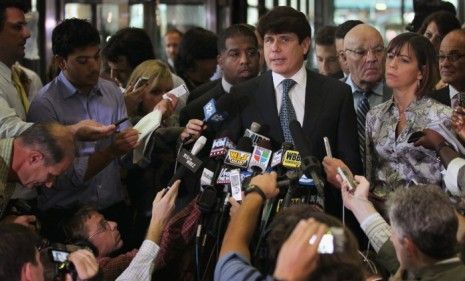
{"x": 287, "y": 112}
{"x": 362, "y": 109}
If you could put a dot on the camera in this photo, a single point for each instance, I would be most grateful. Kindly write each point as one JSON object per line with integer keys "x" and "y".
{"x": 58, "y": 254}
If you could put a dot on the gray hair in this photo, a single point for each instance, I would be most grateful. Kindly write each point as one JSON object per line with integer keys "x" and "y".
{"x": 52, "y": 139}
{"x": 425, "y": 215}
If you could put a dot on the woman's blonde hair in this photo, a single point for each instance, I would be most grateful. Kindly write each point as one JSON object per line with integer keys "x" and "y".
{"x": 151, "y": 69}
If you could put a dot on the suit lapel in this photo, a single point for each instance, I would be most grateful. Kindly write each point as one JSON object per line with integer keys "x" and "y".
{"x": 265, "y": 98}
{"x": 314, "y": 101}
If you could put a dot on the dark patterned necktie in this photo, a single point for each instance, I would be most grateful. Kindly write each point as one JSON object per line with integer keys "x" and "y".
{"x": 362, "y": 109}
{"x": 287, "y": 112}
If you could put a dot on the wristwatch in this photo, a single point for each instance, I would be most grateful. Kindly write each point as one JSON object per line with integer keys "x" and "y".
{"x": 253, "y": 188}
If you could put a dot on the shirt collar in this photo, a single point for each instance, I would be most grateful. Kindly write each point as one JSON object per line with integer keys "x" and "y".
{"x": 299, "y": 77}
{"x": 452, "y": 91}
{"x": 69, "y": 90}
{"x": 377, "y": 89}
{"x": 5, "y": 71}
{"x": 416, "y": 104}
{"x": 226, "y": 85}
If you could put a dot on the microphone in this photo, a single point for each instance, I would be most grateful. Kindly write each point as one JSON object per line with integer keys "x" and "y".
{"x": 235, "y": 161}
{"x": 310, "y": 165}
{"x": 198, "y": 145}
{"x": 253, "y": 134}
{"x": 240, "y": 156}
{"x": 189, "y": 163}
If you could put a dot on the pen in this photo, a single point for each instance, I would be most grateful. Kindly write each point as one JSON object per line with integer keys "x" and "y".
{"x": 121, "y": 121}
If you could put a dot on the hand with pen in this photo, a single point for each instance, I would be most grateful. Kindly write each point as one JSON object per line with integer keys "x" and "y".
{"x": 124, "y": 142}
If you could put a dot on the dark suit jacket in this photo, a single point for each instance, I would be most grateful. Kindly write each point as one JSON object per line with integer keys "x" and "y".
{"x": 202, "y": 89}
{"x": 442, "y": 95}
{"x": 194, "y": 109}
{"x": 329, "y": 111}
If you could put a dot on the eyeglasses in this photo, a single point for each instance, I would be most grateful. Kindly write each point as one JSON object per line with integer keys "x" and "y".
{"x": 451, "y": 57}
{"x": 360, "y": 53}
{"x": 103, "y": 226}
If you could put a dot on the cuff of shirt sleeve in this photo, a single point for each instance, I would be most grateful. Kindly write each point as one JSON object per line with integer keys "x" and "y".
{"x": 376, "y": 229}
{"x": 149, "y": 248}
{"x": 451, "y": 175}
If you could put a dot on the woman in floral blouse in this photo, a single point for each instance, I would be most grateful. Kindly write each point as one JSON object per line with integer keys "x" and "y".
{"x": 391, "y": 162}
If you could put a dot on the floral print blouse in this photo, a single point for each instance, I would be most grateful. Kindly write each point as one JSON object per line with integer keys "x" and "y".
{"x": 393, "y": 162}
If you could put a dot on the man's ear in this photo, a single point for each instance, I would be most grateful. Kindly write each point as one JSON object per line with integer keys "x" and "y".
{"x": 410, "y": 247}
{"x": 306, "y": 44}
{"x": 35, "y": 157}
{"x": 220, "y": 60}
{"x": 28, "y": 272}
{"x": 342, "y": 54}
{"x": 61, "y": 61}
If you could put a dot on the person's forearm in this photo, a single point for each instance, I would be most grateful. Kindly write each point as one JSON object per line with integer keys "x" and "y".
{"x": 98, "y": 161}
{"x": 363, "y": 209}
{"x": 155, "y": 231}
{"x": 242, "y": 226}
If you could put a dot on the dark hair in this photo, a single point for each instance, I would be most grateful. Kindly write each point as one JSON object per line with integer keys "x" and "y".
{"x": 285, "y": 19}
{"x": 75, "y": 228}
{"x": 71, "y": 34}
{"x": 338, "y": 271}
{"x": 131, "y": 43}
{"x": 196, "y": 44}
{"x": 22, "y": 5}
{"x": 343, "y": 28}
{"x": 326, "y": 35}
{"x": 52, "y": 139}
{"x": 243, "y": 30}
{"x": 17, "y": 247}
{"x": 425, "y": 215}
{"x": 445, "y": 21}
{"x": 426, "y": 58}
{"x": 424, "y": 8}
{"x": 285, "y": 222}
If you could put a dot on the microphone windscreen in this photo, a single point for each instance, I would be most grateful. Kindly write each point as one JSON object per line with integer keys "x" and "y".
{"x": 244, "y": 144}
{"x": 255, "y": 127}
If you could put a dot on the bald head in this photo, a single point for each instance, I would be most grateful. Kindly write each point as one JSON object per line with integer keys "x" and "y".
{"x": 452, "y": 59}
{"x": 364, "y": 52}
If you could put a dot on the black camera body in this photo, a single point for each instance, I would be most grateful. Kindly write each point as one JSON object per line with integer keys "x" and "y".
{"x": 58, "y": 254}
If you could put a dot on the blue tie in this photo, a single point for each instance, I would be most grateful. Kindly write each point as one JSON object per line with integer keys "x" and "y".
{"x": 287, "y": 112}
{"x": 362, "y": 109}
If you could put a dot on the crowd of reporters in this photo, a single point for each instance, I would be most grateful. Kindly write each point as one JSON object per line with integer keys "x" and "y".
{"x": 151, "y": 169}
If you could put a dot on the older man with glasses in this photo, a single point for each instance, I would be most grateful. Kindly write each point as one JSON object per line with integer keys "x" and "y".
{"x": 452, "y": 69}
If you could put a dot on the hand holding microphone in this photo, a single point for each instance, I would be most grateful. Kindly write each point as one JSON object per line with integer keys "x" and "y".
{"x": 192, "y": 131}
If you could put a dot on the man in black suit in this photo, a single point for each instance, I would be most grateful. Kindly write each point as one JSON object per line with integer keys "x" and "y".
{"x": 452, "y": 68}
{"x": 323, "y": 105}
{"x": 239, "y": 61}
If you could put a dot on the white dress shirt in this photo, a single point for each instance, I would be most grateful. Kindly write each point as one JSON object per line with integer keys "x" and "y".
{"x": 296, "y": 94}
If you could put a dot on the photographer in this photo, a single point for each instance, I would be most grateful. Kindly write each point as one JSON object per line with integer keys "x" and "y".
{"x": 421, "y": 242}
{"x": 89, "y": 225}
{"x": 21, "y": 259}
{"x": 298, "y": 258}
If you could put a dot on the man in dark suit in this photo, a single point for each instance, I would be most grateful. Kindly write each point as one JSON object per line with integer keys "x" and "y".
{"x": 452, "y": 68}
{"x": 239, "y": 61}
{"x": 323, "y": 105}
